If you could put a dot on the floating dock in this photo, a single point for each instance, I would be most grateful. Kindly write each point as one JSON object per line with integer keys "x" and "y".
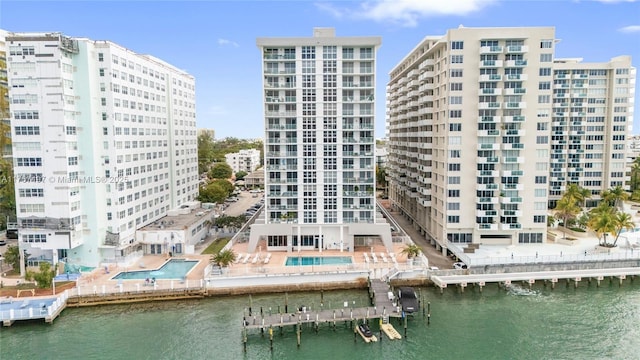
{"x": 366, "y": 339}
{"x": 390, "y": 331}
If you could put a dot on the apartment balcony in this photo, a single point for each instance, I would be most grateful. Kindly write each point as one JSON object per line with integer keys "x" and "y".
{"x": 488, "y": 147}
{"x": 513, "y": 160}
{"x": 488, "y": 118}
{"x": 491, "y": 50}
{"x": 366, "y": 140}
{"x": 487, "y": 200}
{"x": 486, "y": 213}
{"x": 510, "y": 200}
{"x": 515, "y": 63}
{"x": 487, "y": 173}
{"x": 426, "y": 86}
{"x": 515, "y": 91}
{"x": 488, "y": 132}
{"x": 511, "y": 119}
{"x": 514, "y": 132}
{"x": 487, "y": 226}
{"x": 280, "y": 113}
{"x": 488, "y": 160}
{"x": 515, "y": 105}
{"x": 426, "y": 75}
{"x": 510, "y": 212}
{"x": 490, "y": 92}
{"x": 516, "y": 49}
{"x": 486, "y": 186}
{"x": 489, "y": 105}
{"x": 580, "y": 76}
{"x": 511, "y": 187}
{"x": 510, "y": 226}
{"x": 513, "y": 146}
{"x": 490, "y": 63}
{"x": 521, "y": 77}
{"x": 489, "y": 77}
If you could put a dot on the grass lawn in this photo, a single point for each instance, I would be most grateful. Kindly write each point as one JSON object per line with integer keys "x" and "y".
{"x": 216, "y": 246}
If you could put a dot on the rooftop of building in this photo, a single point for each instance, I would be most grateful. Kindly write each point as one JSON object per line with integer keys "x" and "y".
{"x": 181, "y": 218}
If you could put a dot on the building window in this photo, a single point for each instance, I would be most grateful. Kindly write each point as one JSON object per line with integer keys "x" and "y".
{"x": 546, "y": 44}
{"x": 453, "y": 219}
{"x": 545, "y": 72}
{"x": 457, "y": 45}
{"x": 456, "y": 59}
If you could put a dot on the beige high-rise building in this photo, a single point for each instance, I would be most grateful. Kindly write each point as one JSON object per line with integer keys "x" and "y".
{"x": 479, "y": 142}
{"x": 468, "y": 152}
{"x": 319, "y": 144}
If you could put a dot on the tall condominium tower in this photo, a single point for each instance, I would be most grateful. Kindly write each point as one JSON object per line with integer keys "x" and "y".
{"x": 318, "y": 97}
{"x": 468, "y": 139}
{"x": 104, "y": 142}
{"x": 592, "y": 117}
{"x": 486, "y": 130}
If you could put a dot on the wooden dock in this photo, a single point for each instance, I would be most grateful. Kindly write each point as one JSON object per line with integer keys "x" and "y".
{"x": 382, "y": 306}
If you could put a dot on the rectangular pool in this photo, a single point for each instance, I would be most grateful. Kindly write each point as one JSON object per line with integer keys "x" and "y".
{"x": 317, "y": 260}
{"x": 173, "y": 269}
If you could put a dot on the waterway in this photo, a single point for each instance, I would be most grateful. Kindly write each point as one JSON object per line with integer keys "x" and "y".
{"x": 565, "y": 323}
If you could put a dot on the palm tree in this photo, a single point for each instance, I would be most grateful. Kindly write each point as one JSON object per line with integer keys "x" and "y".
{"x": 624, "y": 221}
{"x": 224, "y": 258}
{"x": 615, "y": 196}
{"x": 412, "y": 250}
{"x": 635, "y": 175}
{"x": 602, "y": 220}
{"x": 566, "y": 209}
{"x": 577, "y": 193}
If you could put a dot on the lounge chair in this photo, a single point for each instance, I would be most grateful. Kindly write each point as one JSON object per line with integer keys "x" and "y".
{"x": 238, "y": 258}
{"x": 383, "y": 257}
{"x": 255, "y": 258}
{"x": 375, "y": 259}
{"x": 246, "y": 258}
{"x": 266, "y": 260}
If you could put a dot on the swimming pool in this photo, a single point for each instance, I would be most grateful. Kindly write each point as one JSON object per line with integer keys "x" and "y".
{"x": 317, "y": 260}
{"x": 172, "y": 269}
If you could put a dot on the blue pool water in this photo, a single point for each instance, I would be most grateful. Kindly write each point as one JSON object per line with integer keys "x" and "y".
{"x": 317, "y": 260}
{"x": 172, "y": 269}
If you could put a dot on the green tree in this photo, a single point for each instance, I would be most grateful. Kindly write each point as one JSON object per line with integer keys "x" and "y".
{"x": 566, "y": 209}
{"x": 221, "y": 171}
{"x": 602, "y": 220}
{"x": 44, "y": 277}
{"x": 381, "y": 177}
{"x": 623, "y": 221}
{"x": 634, "y": 184}
{"x": 232, "y": 221}
{"x": 241, "y": 174}
{"x": 224, "y": 258}
{"x": 214, "y": 192}
{"x": 12, "y": 257}
{"x": 615, "y": 196}
{"x": 412, "y": 250}
{"x": 206, "y": 153}
{"x": 577, "y": 194}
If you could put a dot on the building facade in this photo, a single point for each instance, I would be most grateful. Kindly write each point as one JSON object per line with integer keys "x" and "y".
{"x": 592, "y": 119}
{"x": 319, "y": 113}
{"x": 104, "y": 144}
{"x": 246, "y": 160}
{"x": 475, "y": 114}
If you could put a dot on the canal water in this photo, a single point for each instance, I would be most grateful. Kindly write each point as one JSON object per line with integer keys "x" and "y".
{"x": 518, "y": 323}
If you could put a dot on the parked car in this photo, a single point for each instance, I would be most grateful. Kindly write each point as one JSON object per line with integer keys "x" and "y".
{"x": 408, "y": 299}
{"x": 460, "y": 266}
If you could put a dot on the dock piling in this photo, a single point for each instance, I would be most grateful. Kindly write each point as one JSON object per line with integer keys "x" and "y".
{"x": 271, "y": 337}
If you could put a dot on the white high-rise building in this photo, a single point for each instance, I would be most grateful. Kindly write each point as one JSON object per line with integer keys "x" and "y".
{"x": 319, "y": 144}
{"x": 481, "y": 137}
{"x": 246, "y": 160}
{"x": 591, "y": 124}
{"x": 104, "y": 142}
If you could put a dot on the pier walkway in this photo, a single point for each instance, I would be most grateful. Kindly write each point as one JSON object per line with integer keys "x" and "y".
{"x": 378, "y": 292}
{"x": 598, "y": 275}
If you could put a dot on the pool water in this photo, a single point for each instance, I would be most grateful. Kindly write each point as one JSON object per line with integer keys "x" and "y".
{"x": 172, "y": 269}
{"x": 317, "y": 260}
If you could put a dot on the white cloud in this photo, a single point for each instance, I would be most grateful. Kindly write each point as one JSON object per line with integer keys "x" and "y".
{"x": 407, "y": 12}
{"x": 630, "y": 29}
{"x": 223, "y": 42}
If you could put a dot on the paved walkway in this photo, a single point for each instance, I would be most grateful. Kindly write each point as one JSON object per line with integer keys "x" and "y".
{"x": 435, "y": 256}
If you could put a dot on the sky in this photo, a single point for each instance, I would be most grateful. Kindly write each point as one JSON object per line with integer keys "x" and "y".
{"x": 215, "y": 41}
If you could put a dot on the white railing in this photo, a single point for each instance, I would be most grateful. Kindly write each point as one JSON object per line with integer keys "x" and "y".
{"x": 34, "y": 312}
{"x": 135, "y": 286}
{"x": 620, "y": 255}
